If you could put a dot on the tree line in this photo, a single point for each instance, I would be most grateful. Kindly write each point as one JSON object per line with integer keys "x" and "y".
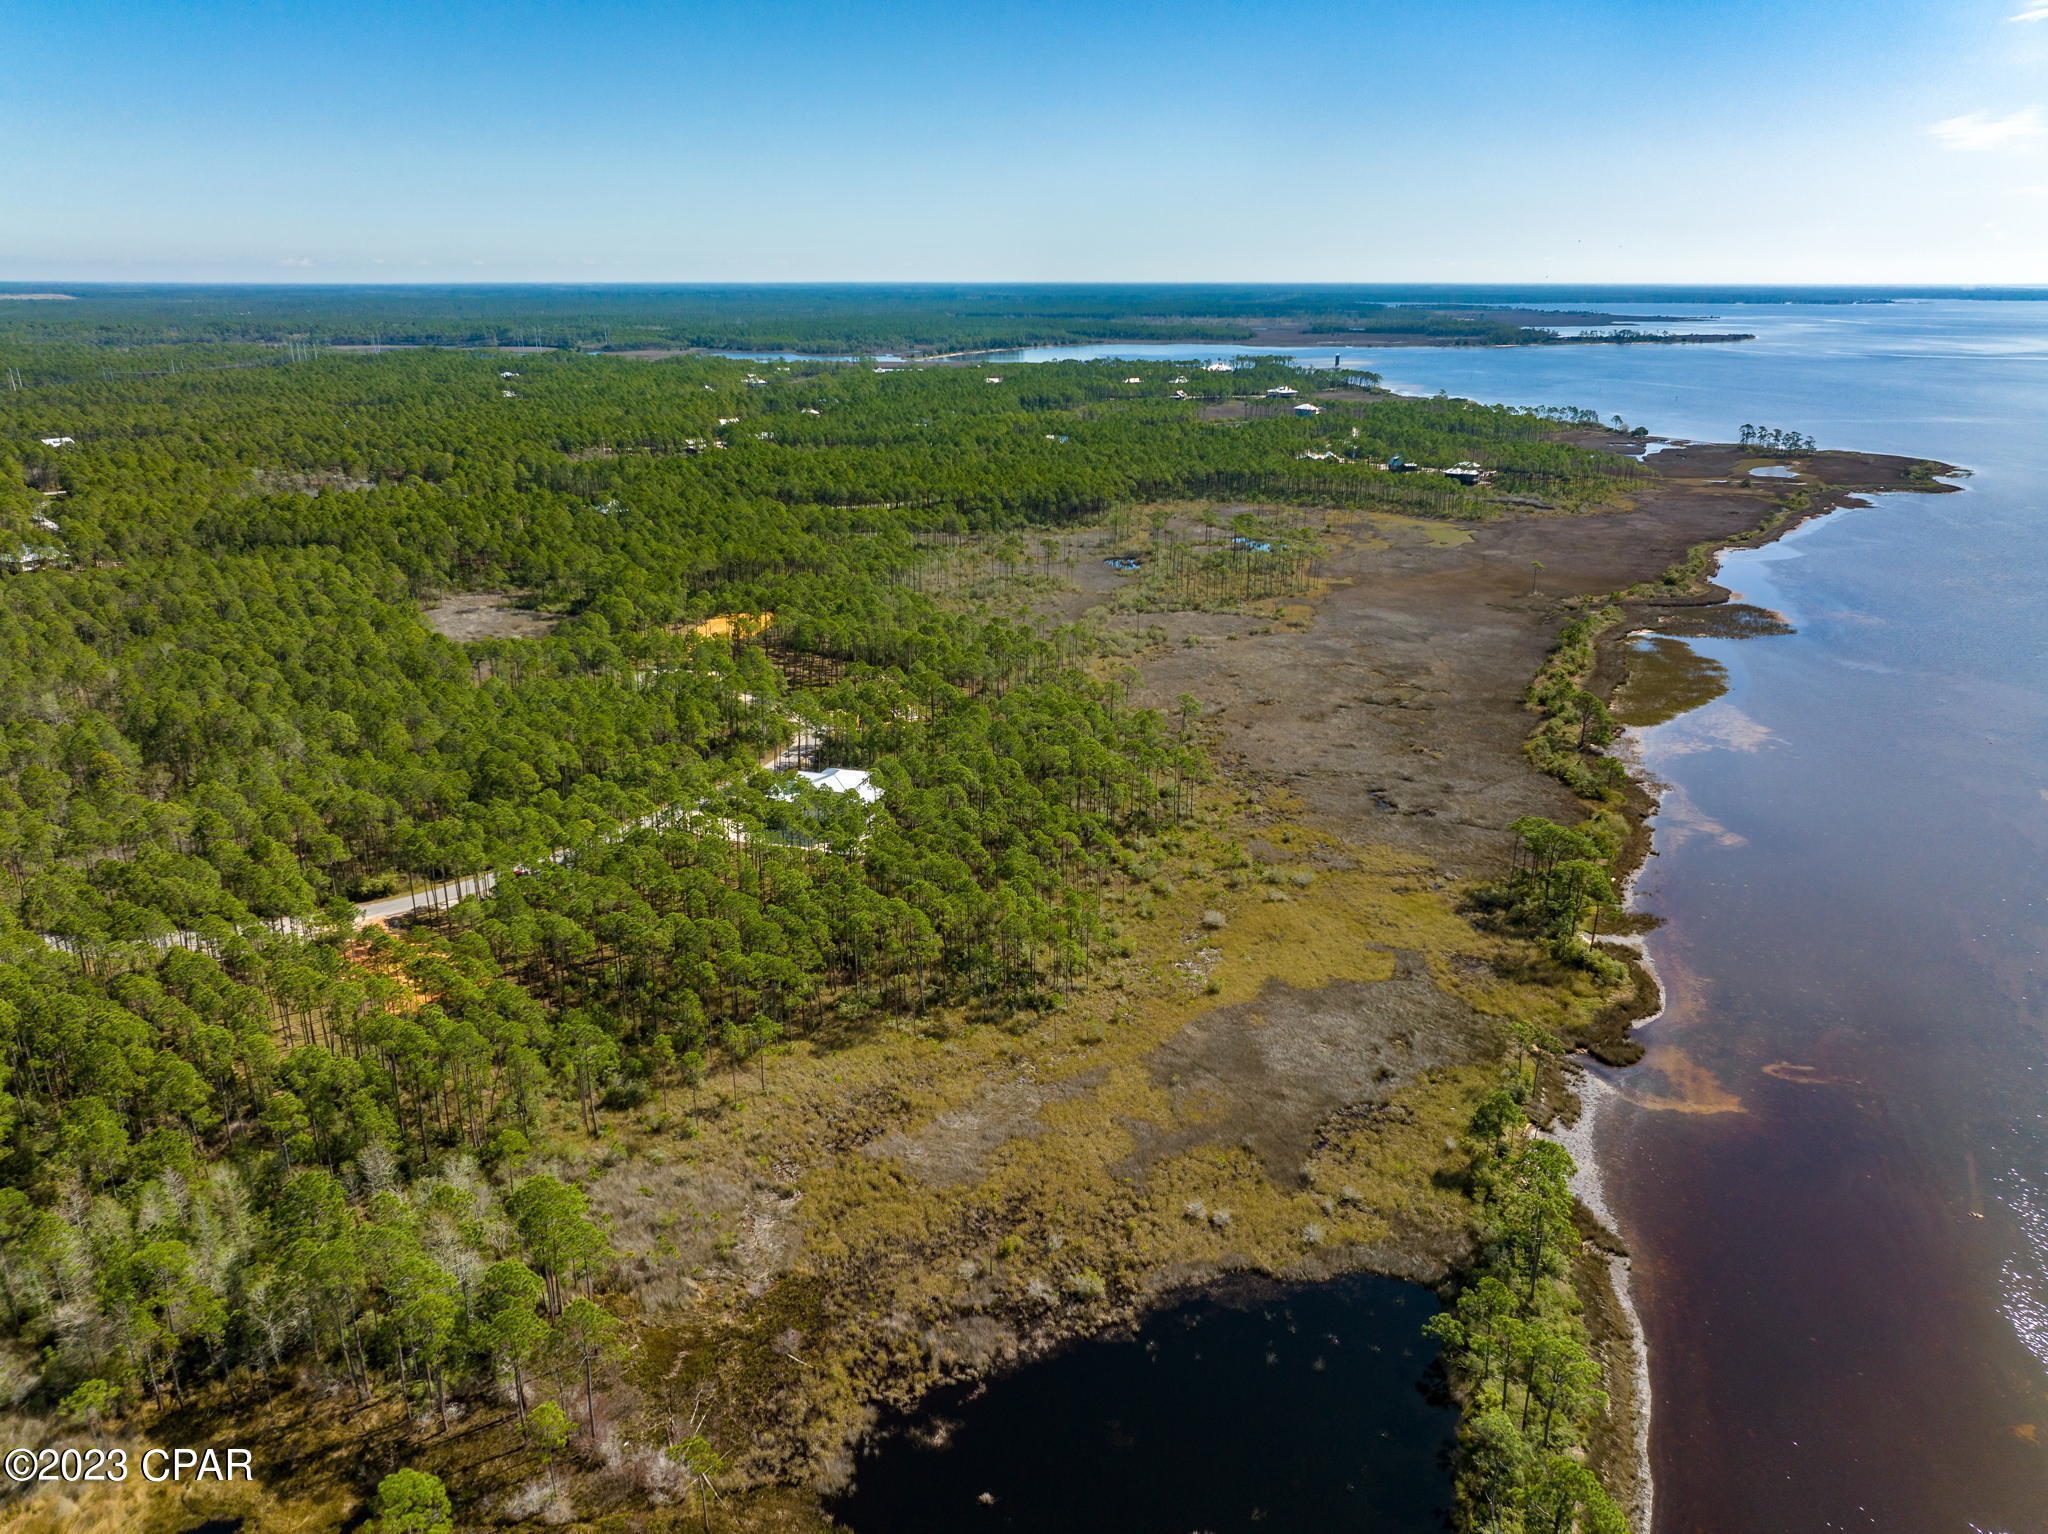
{"x": 1514, "y": 1344}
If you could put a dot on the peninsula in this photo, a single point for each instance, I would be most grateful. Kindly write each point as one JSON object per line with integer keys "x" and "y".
{"x": 1205, "y": 814}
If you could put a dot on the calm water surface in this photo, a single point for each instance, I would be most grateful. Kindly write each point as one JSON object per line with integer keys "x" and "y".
{"x": 1268, "y": 1409}
{"x": 1833, "y": 1165}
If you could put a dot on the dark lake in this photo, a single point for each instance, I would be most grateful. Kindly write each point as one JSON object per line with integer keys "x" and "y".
{"x": 1253, "y": 1410}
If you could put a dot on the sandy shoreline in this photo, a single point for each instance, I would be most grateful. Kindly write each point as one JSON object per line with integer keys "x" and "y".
{"x": 1589, "y": 1187}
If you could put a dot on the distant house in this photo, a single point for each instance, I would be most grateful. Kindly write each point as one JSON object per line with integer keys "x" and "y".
{"x": 508, "y": 394}
{"x": 844, "y": 780}
{"x": 991, "y": 380}
{"x": 508, "y": 375}
{"x": 1180, "y": 394}
{"x": 58, "y": 441}
{"x": 807, "y": 410}
{"x": 1176, "y": 380}
{"x": 1134, "y": 380}
{"x": 1217, "y": 367}
{"x": 1281, "y": 392}
{"x": 1466, "y": 473}
{"x": 45, "y": 524}
{"x": 1304, "y": 408}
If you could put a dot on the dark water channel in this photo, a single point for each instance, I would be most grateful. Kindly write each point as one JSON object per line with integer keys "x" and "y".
{"x": 1249, "y": 1412}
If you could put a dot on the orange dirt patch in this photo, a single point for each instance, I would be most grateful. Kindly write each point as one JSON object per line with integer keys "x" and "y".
{"x": 413, "y": 998}
{"x": 726, "y": 626}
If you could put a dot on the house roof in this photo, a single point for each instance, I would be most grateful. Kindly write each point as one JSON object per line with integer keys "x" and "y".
{"x": 844, "y": 780}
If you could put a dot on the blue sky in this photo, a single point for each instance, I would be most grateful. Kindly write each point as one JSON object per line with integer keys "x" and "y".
{"x": 786, "y": 140}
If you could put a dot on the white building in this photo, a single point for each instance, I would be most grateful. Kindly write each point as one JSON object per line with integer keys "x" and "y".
{"x": 1217, "y": 367}
{"x": 844, "y": 780}
{"x": 1305, "y": 408}
{"x": 58, "y": 441}
{"x": 1282, "y": 392}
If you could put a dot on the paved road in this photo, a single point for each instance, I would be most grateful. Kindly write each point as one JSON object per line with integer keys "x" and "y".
{"x": 438, "y": 895}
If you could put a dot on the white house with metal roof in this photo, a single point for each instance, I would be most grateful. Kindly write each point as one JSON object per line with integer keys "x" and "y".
{"x": 844, "y": 780}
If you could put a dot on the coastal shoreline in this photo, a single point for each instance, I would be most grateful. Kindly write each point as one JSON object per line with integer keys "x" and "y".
{"x": 1621, "y": 1328}
{"x": 1592, "y": 1095}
